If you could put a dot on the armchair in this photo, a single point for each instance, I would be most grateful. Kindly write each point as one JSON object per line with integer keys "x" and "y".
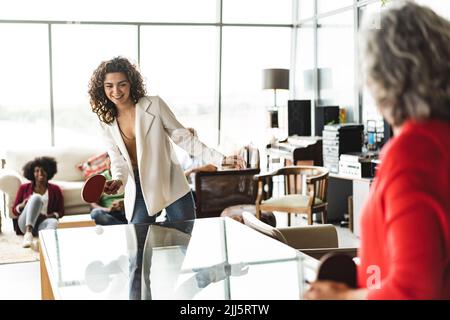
{"x": 315, "y": 241}
{"x": 215, "y": 191}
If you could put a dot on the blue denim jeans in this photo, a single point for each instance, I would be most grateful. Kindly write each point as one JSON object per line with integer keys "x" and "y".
{"x": 106, "y": 218}
{"x": 180, "y": 210}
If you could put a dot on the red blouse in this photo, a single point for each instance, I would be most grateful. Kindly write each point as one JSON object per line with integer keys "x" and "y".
{"x": 405, "y": 224}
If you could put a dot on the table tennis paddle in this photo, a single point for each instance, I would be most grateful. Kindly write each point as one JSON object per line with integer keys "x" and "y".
{"x": 93, "y": 188}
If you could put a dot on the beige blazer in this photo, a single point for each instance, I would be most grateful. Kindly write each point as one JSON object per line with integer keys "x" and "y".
{"x": 161, "y": 177}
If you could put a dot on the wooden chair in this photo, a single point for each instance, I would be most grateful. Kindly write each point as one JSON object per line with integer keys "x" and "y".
{"x": 305, "y": 192}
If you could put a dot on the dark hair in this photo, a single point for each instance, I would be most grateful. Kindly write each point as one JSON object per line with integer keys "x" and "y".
{"x": 406, "y": 61}
{"x": 104, "y": 108}
{"x": 46, "y": 163}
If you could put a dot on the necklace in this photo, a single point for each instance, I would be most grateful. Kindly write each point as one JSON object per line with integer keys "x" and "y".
{"x": 123, "y": 134}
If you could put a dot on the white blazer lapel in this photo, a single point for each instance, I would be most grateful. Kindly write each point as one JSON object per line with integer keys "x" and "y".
{"x": 144, "y": 120}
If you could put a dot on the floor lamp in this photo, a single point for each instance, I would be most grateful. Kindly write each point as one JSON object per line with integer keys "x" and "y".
{"x": 275, "y": 79}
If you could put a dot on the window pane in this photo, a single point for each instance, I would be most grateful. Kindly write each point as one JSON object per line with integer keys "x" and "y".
{"x": 77, "y": 51}
{"x": 110, "y": 10}
{"x": 182, "y": 70}
{"x": 335, "y": 60}
{"x": 441, "y": 7}
{"x": 25, "y": 94}
{"x": 369, "y": 109}
{"x": 246, "y": 52}
{"x": 257, "y": 11}
{"x": 327, "y": 5}
{"x": 304, "y": 86}
{"x": 306, "y": 8}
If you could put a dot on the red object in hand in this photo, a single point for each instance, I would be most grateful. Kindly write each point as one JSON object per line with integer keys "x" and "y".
{"x": 93, "y": 188}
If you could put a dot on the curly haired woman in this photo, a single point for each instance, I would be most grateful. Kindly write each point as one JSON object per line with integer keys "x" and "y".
{"x": 405, "y": 225}
{"x": 137, "y": 130}
{"x": 39, "y": 204}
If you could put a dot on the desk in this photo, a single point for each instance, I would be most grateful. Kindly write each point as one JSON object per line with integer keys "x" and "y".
{"x": 296, "y": 151}
{"x": 340, "y": 187}
{"x": 213, "y": 258}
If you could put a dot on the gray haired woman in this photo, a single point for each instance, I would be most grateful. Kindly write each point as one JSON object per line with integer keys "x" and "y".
{"x": 405, "y": 225}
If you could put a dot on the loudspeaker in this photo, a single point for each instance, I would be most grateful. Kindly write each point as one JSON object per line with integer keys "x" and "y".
{"x": 326, "y": 115}
{"x": 299, "y": 117}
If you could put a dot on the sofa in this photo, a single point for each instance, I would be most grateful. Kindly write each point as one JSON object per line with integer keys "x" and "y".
{"x": 68, "y": 177}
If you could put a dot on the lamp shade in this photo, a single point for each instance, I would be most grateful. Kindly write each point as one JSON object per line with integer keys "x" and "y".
{"x": 275, "y": 79}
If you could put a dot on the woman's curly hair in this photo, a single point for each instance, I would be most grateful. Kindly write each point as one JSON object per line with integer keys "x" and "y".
{"x": 104, "y": 108}
{"x": 48, "y": 164}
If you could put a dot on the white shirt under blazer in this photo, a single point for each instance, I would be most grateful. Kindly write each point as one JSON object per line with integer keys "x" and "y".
{"x": 161, "y": 177}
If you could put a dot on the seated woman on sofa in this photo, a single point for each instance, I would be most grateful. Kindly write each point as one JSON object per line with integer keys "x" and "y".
{"x": 39, "y": 204}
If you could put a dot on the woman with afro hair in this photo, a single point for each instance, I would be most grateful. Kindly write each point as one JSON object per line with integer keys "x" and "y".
{"x": 39, "y": 204}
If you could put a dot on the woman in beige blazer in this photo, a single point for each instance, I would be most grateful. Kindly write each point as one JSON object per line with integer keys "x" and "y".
{"x": 137, "y": 130}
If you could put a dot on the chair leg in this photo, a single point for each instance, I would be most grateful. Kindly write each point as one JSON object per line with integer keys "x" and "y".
{"x": 258, "y": 212}
{"x": 324, "y": 216}
{"x": 289, "y": 219}
{"x": 310, "y": 218}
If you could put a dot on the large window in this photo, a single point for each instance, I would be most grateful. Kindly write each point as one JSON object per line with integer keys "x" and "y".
{"x": 77, "y": 51}
{"x": 180, "y": 50}
{"x": 203, "y": 57}
{"x": 179, "y": 64}
{"x": 246, "y": 52}
{"x": 25, "y": 86}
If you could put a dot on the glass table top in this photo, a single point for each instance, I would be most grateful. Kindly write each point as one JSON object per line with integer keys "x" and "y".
{"x": 214, "y": 258}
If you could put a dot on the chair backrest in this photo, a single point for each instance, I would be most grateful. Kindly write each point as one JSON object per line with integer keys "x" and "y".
{"x": 215, "y": 191}
{"x": 311, "y": 237}
{"x": 312, "y": 152}
{"x": 304, "y": 237}
{"x": 251, "y": 221}
{"x": 310, "y": 180}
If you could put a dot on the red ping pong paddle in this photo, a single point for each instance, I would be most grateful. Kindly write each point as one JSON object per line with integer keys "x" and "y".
{"x": 93, "y": 188}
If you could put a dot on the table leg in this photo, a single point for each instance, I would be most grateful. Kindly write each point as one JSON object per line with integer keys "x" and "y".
{"x": 46, "y": 287}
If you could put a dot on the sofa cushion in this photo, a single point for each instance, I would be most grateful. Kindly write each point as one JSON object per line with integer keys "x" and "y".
{"x": 95, "y": 164}
{"x": 71, "y": 192}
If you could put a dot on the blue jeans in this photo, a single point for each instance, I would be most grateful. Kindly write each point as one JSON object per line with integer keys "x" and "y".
{"x": 107, "y": 218}
{"x": 31, "y": 216}
{"x": 182, "y": 209}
